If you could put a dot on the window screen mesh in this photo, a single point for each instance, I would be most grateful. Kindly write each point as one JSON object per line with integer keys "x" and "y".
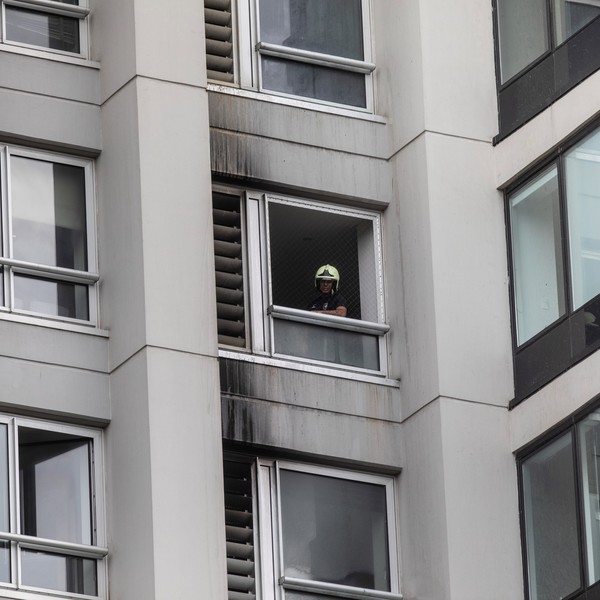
{"x": 303, "y": 239}
{"x": 229, "y": 269}
{"x": 239, "y": 530}
{"x": 219, "y": 45}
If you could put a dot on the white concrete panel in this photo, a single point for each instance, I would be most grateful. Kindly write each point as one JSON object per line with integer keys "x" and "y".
{"x": 313, "y": 432}
{"x": 187, "y": 475}
{"x": 555, "y": 401}
{"x": 470, "y": 272}
{"x": 177, "y": 216}
{"x": 540, "y": 135}
{"x": 49, "y": 77}
{"x": 484, "y": 545}
{"x": 298, "y": 125}
{"x": 53, "y": 346}
{"x": 50, "y": 121}
{"x": 39, "y": 388}
{"x": 398, "y": 75}
{"x": 423, "y": 524}
{"x": 170, "y": 42}
{"x": 310, "y": 390}
{"x": 129, "y": 485}
{"x": 458, "y": 67}
{"x": 113, "y": 38}
{"x": 409, "y": 283}
{"x": 301, "y": 166}
{"x": 120, "y": 246}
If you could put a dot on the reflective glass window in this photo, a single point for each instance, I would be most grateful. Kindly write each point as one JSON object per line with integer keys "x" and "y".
{"x": 582, "y": 173}
{"x": 538, "y": 274}
{"x": 334, "y": 530}
{"x": 550, "y": 513}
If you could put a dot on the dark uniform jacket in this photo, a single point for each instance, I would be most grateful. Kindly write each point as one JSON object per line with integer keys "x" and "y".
{"x": 330, "y": 302}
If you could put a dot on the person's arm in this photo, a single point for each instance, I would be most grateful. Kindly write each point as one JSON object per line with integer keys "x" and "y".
{"x": 340, "y": 311}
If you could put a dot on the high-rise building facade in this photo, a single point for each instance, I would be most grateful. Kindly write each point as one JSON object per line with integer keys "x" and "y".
{"x": 176, "y": 179}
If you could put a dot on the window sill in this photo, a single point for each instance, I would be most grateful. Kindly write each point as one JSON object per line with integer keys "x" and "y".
{"x": 53, "y": 324}
{"x": 289, "y": 363}
{"x": 303, "y": 104}
{"x": 49, "y": 55}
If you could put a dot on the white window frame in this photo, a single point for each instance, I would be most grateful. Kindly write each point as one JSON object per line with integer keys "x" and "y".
{"x": 78, "y": 11}
{"x": 248, "y": 47}
{"x": 258, "y": 297}
{"x": 11, "y": 265}
{"x": 269, "y": 555}
{"x": 98, "y": 551}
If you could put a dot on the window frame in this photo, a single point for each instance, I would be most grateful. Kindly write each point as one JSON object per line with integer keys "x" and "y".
{"x": 270, "y": 581}
{"x": 549, "y": 76}
{"x": 568, "y": 426}
{"x": 19, "y": 541}
{"x": 247, "y": 49}
{"x": 11, "y": 266}
{"x": 543, "y": 357}
{"x": 260, "y": 312}
{"x": 79, "y": 11}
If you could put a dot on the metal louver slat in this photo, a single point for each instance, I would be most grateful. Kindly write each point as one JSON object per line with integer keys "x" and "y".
{"x": 219, "y": 40}
{"x": 229, "y": 268}
{"x": 239, "y": 530}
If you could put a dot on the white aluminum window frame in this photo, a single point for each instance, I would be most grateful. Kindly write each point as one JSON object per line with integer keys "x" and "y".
{"x": 248, "y": 48}
{"x": 12, "y": 266}
{"x": 97, "y": 552}
{"x": 258, "y": 297}
{"x": 269, "y": 559}
{"x": 78, "y": 11}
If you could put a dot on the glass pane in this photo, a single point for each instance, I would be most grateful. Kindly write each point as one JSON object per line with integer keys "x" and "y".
{"x": 311, "y": 81}
{"x": 582, "y": 168}
{"x": 523, "y": 30}
{"x": 537, "y": 255}
{"x": 334, "y": 530}
{"x": 57, "y": 572}
{"x": 326, "y": 26}
{"x": 326, "y": 344}
{"x": 4, "y": 505}
{"x": 48, "y": 213}
{"x": 589, "y": 443}
{"x": 550, "y": 510}
{"x": 54, "y": 474}
{"x": 571, "y": 15}
{"x": 42, "y": 29}
{"x": 301, "y": 239}
{"x": 294, "y": 595}
{"x": 49, "y": 297}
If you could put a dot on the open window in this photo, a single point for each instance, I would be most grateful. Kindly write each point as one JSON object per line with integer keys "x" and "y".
{"x": 267, "y": 251}
{"x": 309, "y": 532}
{"x": 312, "y": 49}
{"x": 51, "y": 511}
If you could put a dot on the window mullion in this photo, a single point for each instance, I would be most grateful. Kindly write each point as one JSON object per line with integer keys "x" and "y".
{"x": 564, "y": 222}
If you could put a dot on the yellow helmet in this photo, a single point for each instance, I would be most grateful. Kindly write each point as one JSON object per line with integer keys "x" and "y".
{"x": 328, "y": 272}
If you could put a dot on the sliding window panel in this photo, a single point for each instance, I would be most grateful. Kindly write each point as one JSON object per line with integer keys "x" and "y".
{"x": 550, "y": 515}
{"x": 537, "y": 254}
{"x": 582, "y": 170}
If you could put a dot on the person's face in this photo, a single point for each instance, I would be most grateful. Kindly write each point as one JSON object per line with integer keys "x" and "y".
{"x": 325, "y": 286}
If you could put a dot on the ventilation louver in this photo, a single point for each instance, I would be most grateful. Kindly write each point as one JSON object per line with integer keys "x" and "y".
{"x": 229, "y": 270}
{"x": 219, "y": 45}
{"x": 239, "y": 530}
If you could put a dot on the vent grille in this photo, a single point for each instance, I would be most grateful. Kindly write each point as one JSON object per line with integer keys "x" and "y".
{"x": 219, "y": 44}
{"x": 239, "y": 530}
{"x": 229, "y": 270}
